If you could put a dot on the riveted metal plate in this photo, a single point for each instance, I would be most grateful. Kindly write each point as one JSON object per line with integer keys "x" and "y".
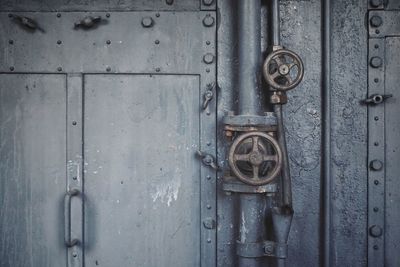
{"x": 389, "y": 23}
{"x": 173, "y": 44}
{"x": 98, "y": 5}
{"x": 376, "y": 151}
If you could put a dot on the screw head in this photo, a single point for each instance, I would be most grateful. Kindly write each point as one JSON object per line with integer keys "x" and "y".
{"x": 375, "y": 231}
{"x": 147, "y": 22}
{"x": 376, "y": 62}
{"x": 376, "y": 165}
{"x": 376, "y": 21}
{"x": 208, "y": 21}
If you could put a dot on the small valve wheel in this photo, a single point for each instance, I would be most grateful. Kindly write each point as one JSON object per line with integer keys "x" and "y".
{"x": 255, "y": 158}
{"x": 283, "y": 69}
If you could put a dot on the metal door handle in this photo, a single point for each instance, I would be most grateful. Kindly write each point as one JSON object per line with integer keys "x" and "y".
{"x": 87, "y": 22}
{"x": 67, "y": 216}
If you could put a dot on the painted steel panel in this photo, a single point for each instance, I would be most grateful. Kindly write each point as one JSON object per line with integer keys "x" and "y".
{"x": 175, "y": 43}
{"x": 392, "y": 153}
{"x": 98, "y": 5}
{"x": 32, "y": 169}
{"x": 141, "y": 177}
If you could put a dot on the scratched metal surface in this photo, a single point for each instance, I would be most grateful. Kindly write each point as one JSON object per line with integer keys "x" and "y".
{"x": 32, "y": 170}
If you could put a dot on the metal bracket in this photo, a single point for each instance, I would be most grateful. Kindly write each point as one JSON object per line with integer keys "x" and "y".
{"x": 207, "y": 160}
{"x": 262, "y": 249}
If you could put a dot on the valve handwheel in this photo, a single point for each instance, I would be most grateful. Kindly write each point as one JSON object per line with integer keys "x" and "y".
{"x": 256, "y": 157}
{"x": 283, "y": 69}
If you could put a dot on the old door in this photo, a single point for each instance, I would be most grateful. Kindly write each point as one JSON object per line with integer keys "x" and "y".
{"x": 100, "y": 128}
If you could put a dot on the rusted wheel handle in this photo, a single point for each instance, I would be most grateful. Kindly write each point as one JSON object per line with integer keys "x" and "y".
{"x": 283, "y": 70}
{"x": 255, "y": 158}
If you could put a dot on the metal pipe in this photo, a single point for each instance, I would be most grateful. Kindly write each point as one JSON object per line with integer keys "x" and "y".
{"x": 285, "y": 172}
{"x": 326, "y": 135}
{"x": 275, "y": 21}
{"x": 249, "y": 56}
{"x": 252, "y": 206}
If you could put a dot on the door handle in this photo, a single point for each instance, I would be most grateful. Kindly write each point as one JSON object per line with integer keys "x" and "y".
{"x": 67, "y": 217}
{"x": 87, "y": 22}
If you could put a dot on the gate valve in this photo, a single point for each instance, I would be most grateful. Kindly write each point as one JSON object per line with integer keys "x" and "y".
{"x": 87, "y": 22}
{"x": 376, "y": 99}
{"x": 26, "y": 22}
{"x": 255, "y": 158}
{"x": 283, "y": 69}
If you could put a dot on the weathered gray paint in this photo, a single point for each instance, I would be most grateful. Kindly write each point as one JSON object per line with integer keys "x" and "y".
{"x": 36, "y": 132}
{"x": 32, "y": 170}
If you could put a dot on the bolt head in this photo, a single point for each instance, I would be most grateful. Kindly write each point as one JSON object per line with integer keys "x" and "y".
{"x": 376, "y": 165}
{"x": 208, "y": 21}
{"x": 375, "y": 231}
{"x": 208, "y": 2}
{"x": 147, "y": 22}
{"x": 376, "y": 21}
{"x": 376, "y": 62}
{"x": 208, "y": 58}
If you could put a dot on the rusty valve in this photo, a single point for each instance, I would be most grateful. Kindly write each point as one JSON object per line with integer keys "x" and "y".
{"x": 283, "y": 69}
{"x": 255, "y": 158}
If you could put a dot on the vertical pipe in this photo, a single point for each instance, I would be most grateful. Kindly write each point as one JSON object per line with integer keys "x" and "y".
{"x": 275, "y": 22}
{"x": 249, "y": 56}
{"x": 249, "y": 78}
{"x": 326, "y": 135}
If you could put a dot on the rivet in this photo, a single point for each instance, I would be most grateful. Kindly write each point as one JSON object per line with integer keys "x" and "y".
{"x": 376, "y": 144}
{"x": 377, "y": 31}
{"x": 59, "y": 69}
{"x": 376, "y": 118}
{"x": 157, "y": 15}
{"x": 376, "y": 165}
{"x": 157, "y": 41}
{"x": 376, "y": 209}
{"x": 376, "y": 21}
{"x": 58, "y": 15}
{"x": 10, "y": 15}
{"x": 208, "y": 206}
{"x": 11, "y": 41}
{"x": 208, "y": 240}
{"x": 376, "y": 182}
{"x": 208, "y": 143}
{"x": 207, "y": 70}
{"x": 268, "y": 249}
{"x": 376, "y": 80}
{"x": 158, "y": 69}
{"x": 108, "y": 15}
{"x": 74, "y": 123}
{"x": 12, "y": 68}
{"x": 208, "y": 177}
{"x": 208, "y": 2}
{"x": 208, "y": 21}
{"x": 147, "y": 22}
{"x": 208, "y": 58}
{"x": 376, "y": 46}
{"x": 74, "y": 178}
{"x": 74, "y": 255}
{"x": 208, "y": 42}
{"x": 375, "y": 62}
{"x": 108, "y": 42}
{"x": 375, "y": 3}
{"x": 108, "y": 69}
{"x": 376, "y": 247}
{"x": 169, "y": 2}
{"x": 59, "y": 42}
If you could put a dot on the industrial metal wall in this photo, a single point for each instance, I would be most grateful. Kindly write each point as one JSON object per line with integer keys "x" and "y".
{"x": 116, "y": 111}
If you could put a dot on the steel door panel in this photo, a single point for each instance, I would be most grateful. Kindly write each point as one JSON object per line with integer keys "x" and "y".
{"x": 175, "y": 43}
{"x": 392, "y": 152}
{"x": 32, "y": 169}
{"x": 142, "y": 181}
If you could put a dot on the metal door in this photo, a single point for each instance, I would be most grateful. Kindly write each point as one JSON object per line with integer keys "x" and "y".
{"x": 101, "y": 128}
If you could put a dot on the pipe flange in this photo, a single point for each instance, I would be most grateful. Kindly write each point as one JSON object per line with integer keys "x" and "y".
{"x": 283, "y": 69}
{"x": 255, "y": 158}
